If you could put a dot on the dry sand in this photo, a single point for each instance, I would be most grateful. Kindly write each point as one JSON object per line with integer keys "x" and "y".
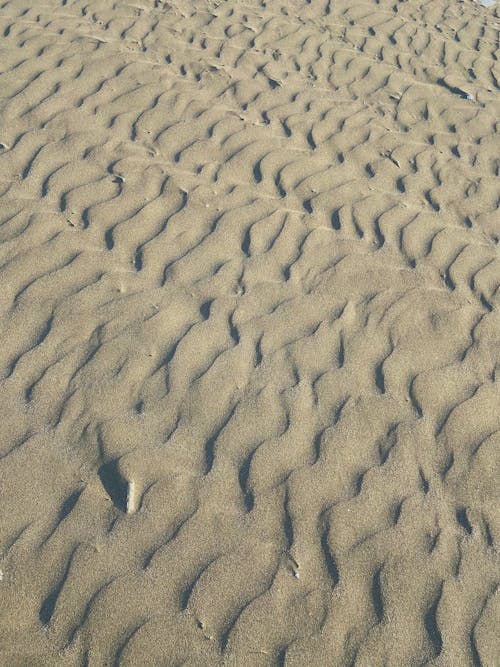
{"x": 250, "y": 360}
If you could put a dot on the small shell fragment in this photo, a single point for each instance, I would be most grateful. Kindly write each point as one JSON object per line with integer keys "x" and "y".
{"x": 131, "y": 498}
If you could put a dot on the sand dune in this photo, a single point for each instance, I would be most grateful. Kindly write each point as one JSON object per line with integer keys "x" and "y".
{"x": 250, "y": 362}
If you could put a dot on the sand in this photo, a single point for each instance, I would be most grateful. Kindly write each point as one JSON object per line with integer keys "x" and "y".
{"x": 250, "y": 316}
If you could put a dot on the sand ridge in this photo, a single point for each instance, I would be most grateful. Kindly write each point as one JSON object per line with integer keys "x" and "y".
{"x": 250, "y": 290}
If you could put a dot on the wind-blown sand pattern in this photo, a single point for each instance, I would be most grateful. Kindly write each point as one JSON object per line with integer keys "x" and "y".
{"x": 250, "y": 361}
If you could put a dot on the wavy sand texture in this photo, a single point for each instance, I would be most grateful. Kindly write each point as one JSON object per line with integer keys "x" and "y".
{"x": 250, "y": 361}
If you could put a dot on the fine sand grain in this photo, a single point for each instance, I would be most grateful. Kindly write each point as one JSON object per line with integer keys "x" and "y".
{"x": 250, "y": 333}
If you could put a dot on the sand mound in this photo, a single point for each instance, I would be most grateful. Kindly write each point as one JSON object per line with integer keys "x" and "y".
{"x": 250, "y": 362}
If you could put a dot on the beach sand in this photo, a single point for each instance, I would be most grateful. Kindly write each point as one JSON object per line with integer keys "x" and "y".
{"x": 250, "y": 316}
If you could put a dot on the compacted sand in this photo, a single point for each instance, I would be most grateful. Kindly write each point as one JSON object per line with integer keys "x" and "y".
{"x": 250, "y": 348}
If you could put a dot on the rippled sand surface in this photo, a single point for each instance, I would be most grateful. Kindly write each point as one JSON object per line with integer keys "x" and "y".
{"x": 250, "y": 333}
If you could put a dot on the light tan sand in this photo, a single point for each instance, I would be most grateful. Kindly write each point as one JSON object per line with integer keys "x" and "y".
{"x": 250, "y": 359}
